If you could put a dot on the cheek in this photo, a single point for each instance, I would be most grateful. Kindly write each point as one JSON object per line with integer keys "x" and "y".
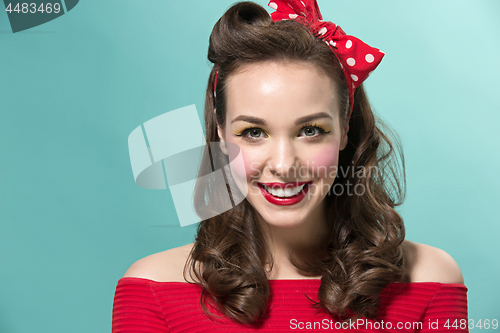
{"x": 324, "y": 161}
{"x": 246, "y": 166}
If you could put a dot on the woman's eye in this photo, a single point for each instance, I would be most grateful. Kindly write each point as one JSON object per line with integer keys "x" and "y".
{"x": 254, "y": 132}
{"x": 310, "y": 131}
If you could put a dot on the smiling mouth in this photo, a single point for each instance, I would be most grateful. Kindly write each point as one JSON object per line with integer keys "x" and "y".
{"x": 288, "y": 192}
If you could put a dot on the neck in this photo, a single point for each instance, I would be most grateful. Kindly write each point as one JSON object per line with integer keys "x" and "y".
{"x": 303, "y": 242}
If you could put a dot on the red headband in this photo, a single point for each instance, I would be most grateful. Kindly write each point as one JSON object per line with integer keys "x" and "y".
{"x": 215, "y": 84}
{"x": 357, "y": 59}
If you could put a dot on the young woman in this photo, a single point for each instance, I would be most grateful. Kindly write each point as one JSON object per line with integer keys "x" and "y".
{"x": 316, "y": 243}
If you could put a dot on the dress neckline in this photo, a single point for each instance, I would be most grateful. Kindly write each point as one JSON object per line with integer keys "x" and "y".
{"x": 294, "y": 281}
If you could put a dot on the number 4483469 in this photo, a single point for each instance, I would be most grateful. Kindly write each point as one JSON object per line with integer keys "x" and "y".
{"x": 481, "y": 324}
{"x": 31, "y": 8}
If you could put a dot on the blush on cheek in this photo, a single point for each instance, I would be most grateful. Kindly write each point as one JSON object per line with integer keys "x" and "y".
{"x": 244, "y": 167}
{"x": 325, "y": 162}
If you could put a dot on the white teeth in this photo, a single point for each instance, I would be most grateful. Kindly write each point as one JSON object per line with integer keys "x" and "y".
{"x": 279, "y": 192}
{"x": 289, "y": 192}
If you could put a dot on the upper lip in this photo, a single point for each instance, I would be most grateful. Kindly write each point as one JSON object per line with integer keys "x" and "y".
{"x": 284, "y": 185}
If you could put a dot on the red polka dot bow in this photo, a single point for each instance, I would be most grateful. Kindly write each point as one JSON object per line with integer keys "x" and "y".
{"x": 358, "y": 59}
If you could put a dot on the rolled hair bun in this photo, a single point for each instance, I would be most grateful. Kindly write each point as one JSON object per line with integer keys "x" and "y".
{"x": 247, "y": 32}
{"x": 236, "y": 32}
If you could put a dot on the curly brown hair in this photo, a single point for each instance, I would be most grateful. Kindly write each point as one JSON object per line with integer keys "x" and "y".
{"x": 364, "y": 252}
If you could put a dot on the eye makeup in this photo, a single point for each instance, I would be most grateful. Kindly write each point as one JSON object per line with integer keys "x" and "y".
{"x": 243, "y": 134}
{"x": 321, "y": 129}
{"x": 247, "y": 129}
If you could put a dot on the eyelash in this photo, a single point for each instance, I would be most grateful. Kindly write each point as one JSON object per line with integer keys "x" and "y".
{"x": 318, "y": 127}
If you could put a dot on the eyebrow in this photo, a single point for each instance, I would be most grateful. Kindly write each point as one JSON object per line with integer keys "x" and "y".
{"x": 299, "y": 121}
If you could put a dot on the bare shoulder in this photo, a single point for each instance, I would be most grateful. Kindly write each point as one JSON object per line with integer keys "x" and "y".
{"x": 425, "y": 263}
{"x": 165, "y": 266}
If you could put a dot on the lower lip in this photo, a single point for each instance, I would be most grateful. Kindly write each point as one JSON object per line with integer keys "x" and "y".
{"x": 285, "y": 201}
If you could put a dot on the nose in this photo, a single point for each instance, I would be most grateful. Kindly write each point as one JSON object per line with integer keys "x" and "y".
{"x": 283, "y": 159}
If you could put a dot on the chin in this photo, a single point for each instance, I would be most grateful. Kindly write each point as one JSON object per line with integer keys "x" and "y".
{"x": 285, "y": 220}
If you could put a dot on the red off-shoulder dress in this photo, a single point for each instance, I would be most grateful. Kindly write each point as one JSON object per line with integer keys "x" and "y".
{"x": 142, "y": 305}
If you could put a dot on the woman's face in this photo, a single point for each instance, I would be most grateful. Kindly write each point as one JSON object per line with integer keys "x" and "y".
{"x": 284, "y": 117}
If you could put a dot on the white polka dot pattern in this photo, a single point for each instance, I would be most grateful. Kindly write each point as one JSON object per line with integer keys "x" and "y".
{"x": 356, "y": 58}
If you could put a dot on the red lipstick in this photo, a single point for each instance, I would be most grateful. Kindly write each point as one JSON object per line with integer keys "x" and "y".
{"x": 284, "y": 201}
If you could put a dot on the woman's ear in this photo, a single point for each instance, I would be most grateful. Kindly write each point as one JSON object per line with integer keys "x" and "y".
{"x": 345, "y": 138}
{"x": 220, "y": 132}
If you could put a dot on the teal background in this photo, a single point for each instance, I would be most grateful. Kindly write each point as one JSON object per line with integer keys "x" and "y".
{"x": 71, "y": 91}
